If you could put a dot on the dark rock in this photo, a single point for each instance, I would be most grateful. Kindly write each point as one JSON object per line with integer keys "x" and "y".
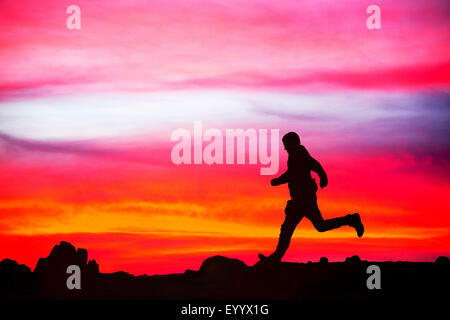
{"x": 15, "y": 279}
{"x": 221, "y": 265}
{"x": 189, "y": 271}
{"x": 353, "y": 259}
{"x": 52, "y": 273}
{"x": 83, "y": 256}
{"x": 93, "y": 267}
{"x": 8, "y": 265}
{"x": 223, "y": 278}
{"x": 123, "y": 275}
{"x": 442, "y": 260}
{"x": 323, "y": 260}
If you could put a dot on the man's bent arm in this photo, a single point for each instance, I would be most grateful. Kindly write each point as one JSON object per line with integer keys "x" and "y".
{"x": 284, "y": 178}
{"x": 317, "y": 168}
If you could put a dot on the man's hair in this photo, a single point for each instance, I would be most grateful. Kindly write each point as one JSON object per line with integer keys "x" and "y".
{"x": 291, "y": 137}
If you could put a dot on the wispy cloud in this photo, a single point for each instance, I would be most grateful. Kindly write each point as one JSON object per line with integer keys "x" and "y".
{"x": 284, "y": 45}
{"x": 13, "y": 147}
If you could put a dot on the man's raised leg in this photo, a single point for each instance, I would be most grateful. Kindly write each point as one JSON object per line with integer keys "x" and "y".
{"x": 321, "y": 225}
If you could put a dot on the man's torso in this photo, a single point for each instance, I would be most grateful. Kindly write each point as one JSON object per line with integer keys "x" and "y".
{"x": 301, "y": 185}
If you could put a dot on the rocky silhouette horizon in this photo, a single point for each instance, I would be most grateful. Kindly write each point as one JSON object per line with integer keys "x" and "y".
{"x": 220, "y": 277}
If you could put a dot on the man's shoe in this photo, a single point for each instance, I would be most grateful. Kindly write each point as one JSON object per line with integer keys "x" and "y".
{"x": 357, "y": 224}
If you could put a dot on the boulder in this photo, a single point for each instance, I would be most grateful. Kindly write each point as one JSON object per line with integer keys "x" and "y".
{"x": 353, "y": 259}
{"x": 323, "y": 260}
{"x": 52, "y": 275}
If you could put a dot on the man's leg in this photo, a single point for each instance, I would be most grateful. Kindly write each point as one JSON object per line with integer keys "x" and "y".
{"x": 322, "y": 225}
{"x": 293, "y": 217}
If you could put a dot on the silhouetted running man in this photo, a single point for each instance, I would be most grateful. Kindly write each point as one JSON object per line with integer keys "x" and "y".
{"x": 302, "y": 189}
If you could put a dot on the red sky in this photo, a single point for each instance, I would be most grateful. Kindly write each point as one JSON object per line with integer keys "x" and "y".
{"x": 86, "y": 118}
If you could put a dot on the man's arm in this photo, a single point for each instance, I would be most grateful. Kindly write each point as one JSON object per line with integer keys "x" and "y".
{"x": 284, "y": 178}
{"x": 317, "y": 168}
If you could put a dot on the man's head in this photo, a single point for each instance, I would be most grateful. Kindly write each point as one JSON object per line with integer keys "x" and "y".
{"x": 291, "y": 141}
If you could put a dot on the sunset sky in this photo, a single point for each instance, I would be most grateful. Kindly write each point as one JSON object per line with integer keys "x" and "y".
{"x": 86, "y": 118}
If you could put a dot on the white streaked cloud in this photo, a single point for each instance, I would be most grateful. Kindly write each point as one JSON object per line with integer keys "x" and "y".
{"x": 125, "y": 115}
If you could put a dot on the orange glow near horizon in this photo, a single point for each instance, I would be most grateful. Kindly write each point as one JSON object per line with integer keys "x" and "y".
{"x": 131, "y": 219}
